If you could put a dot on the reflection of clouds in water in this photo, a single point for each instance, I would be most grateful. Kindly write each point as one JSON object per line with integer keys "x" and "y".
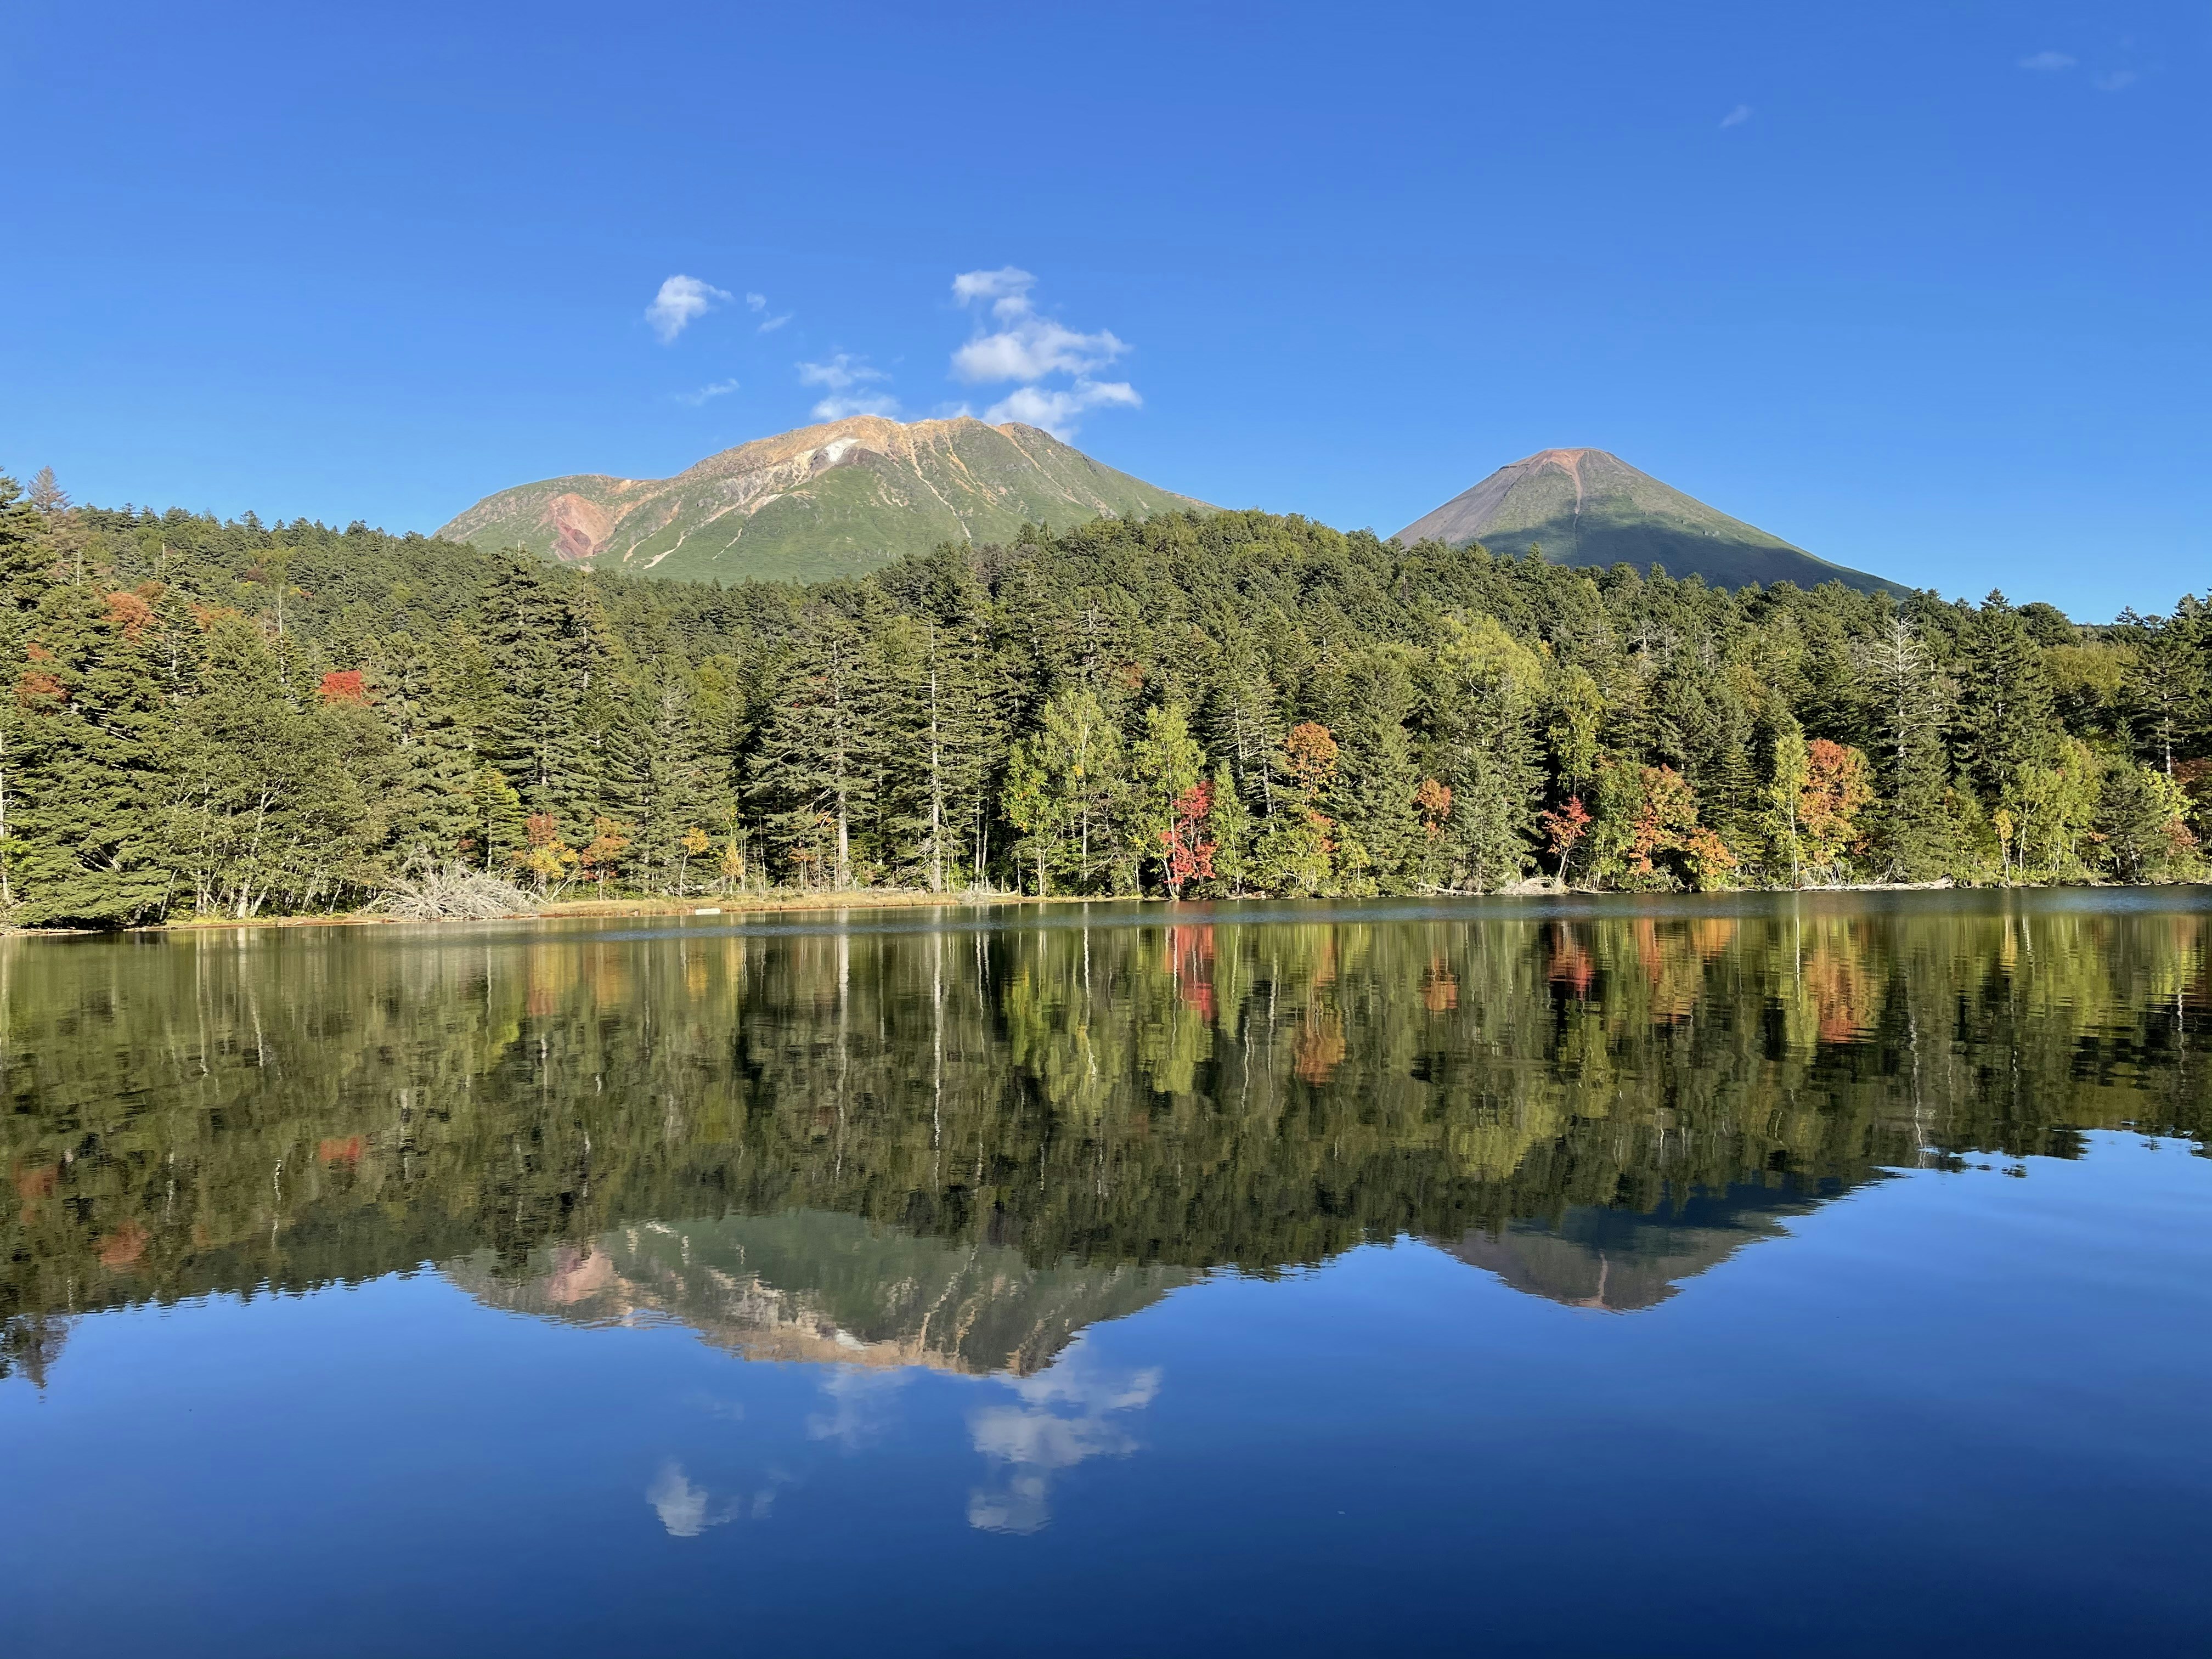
{"x": 1063, "y": 1419}
{"x": 687, "y": 1509}
{"x": 860, "y": 1407}
{"x": 683, "y": 1506}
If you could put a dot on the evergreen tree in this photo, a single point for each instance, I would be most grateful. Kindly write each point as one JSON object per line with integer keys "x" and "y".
{"x": 815, "y": 771}
{"x": 2005, "y": 725}
{"x": 88, "y": 763}
{"x": 1483, "y": 704}
{"x": 1918, "y": 834}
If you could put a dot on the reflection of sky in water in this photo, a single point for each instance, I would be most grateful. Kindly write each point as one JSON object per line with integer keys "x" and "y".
{"x": 850, "y": 1292}
{"x": 1075, "y": 1410}
{"x": 1892, "y": 1386}
{"x": 1070, "y": 1413}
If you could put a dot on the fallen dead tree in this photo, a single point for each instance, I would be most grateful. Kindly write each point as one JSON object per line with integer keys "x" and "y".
{"x": 453, "y": 892}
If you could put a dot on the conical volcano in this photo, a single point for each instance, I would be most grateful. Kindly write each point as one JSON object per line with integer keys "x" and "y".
{"x": 1583, "y": 507}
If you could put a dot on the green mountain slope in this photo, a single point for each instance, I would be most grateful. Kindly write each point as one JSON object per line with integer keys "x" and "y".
{"x": 1583, "y": 507}
{"x": 837, "y": 500}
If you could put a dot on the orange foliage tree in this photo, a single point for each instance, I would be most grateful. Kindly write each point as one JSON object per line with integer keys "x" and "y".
{"x": 1838, "y": 785}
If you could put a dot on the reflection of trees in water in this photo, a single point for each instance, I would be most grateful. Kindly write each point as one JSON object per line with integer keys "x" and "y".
{"x": 226, "y": 1112}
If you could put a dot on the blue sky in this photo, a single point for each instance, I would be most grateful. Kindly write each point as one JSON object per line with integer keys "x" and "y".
{"x": 1922, "y": 288}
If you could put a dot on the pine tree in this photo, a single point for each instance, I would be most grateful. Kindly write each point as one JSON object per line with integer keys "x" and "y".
{"x": 1229, "y": 827}
{"x": 25, "y": 576}
{"x": 552, "y": 705}
{"x": 673, "y": 797}
{"x": 1483, "y": 713}
{"x": 268, "y": 793}
{"x": 429, "y": 809}
{"x": 87, "y": 766}
{"x": 1918, "y": 835}
{"x": 2005, "y": 724}
{"x": 815, "y": 771}
{"x": 2165, "y": 688}
{"x": 1377, "y": 780}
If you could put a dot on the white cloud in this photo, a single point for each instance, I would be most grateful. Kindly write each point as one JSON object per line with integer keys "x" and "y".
{"x": 2046, "y": 63}
{"x": 1029, "y": 348}
{"x": 2115, "y": 81}
{"x": 681, "y": 298}
{"x": 1032, "y": 348}
{"x": 840, "y": 372}
{"x": 1055, "y": 408}
{"x": 719, "y": 389}
{"x": 846, "y": 377}
{"x": 837, "y": 408}
{"x": 1007, "y": 289}
{"x": 1736, "y": 116}
{"x": 757, "y": 304}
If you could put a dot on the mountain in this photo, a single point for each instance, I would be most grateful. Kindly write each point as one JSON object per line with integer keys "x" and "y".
{"x": 837, "y": 500}
{"x": 1625, "y": 1261}
{"x": 819, "y": 1286}
{"x": 1585, "y": 506}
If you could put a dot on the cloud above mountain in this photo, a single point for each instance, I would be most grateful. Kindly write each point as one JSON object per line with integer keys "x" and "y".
{"x": 681, "y": 300}
{"x": 845, "y": 378}
{"x": 1014, "y": 341}
{"x": 1055, "y": 409}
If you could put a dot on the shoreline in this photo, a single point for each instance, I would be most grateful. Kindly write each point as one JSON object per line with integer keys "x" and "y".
{"x": 903, "y": 899}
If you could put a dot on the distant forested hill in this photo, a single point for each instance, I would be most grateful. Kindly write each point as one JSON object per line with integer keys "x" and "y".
{"x": 238, "y": 720}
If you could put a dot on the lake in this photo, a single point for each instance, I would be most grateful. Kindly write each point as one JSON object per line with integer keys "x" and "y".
{"x": 1744, "y": 1275}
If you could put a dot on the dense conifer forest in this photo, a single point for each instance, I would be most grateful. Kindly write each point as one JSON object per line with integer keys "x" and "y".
{"x": 233, "y": 719}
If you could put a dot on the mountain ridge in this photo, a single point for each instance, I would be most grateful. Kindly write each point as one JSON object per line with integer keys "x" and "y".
{"x": 1588, "y": 507}
{"x": 836, "y": 499}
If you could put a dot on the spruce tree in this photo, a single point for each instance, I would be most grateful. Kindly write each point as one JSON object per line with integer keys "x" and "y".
{"x": 88, "y": 763}
{"x": 815, "y": 771}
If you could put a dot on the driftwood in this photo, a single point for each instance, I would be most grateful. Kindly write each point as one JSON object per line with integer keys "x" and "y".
{"x": 453, "y": 892}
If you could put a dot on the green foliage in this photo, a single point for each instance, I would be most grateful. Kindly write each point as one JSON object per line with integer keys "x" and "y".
{"x": 235, "y": 719}
{"x": 192, "y": 1114}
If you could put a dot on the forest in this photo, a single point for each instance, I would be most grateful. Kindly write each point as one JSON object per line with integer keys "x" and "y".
{"x": 228, "y": 719}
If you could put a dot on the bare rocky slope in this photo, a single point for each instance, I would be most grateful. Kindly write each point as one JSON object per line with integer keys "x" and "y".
{"x": 1585, "y": 506}
{"x": 836, "y": 499}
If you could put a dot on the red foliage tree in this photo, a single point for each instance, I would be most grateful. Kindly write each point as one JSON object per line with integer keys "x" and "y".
{"x": 1190, "y": 855}
{"x": 1564, "y": 829}
{"x": 343, "y": 685}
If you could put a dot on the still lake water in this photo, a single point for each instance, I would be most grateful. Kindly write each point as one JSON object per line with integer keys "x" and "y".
{"x": 1756, "y": 1275}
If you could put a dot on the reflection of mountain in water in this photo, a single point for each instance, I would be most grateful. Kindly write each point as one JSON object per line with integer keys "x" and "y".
{"x": 814, "y": 1286}
{"x": 894, "y": 1141}
{"x": 1626, "y": 1261}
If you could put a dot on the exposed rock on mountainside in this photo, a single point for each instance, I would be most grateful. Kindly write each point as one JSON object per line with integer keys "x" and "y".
{"x": 836, "y": 499}
{"x": 1585, "y": 506}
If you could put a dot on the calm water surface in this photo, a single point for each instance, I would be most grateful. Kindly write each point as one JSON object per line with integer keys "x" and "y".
{"x": 1749, "y": 1276}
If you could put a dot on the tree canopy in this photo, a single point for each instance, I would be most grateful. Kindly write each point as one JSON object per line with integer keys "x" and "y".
{"x": 235, "y": 719}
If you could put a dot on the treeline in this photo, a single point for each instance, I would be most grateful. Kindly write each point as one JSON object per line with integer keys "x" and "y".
{"x": 185, "y": 1117}
{"x": 225, "y": 719}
